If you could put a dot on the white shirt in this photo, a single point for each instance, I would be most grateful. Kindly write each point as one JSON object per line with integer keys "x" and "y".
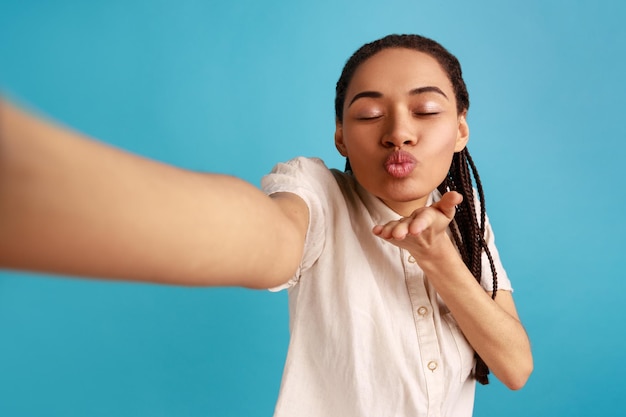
{"x": 369, "y": 334}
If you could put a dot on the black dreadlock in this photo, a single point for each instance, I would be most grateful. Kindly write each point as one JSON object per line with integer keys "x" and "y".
{"x": 469, "y": 232}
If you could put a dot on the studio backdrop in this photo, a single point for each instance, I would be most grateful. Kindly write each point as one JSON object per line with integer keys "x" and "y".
{"x": 235, "y": 87}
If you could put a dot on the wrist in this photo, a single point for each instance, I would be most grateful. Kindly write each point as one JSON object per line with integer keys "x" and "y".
{"x": 439, "y": 256}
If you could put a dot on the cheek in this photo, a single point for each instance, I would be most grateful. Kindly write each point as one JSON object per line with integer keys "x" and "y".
{"x": 358, "y": 142}
{"x": 438, "y": 152}
{"x": 441, "y": 142}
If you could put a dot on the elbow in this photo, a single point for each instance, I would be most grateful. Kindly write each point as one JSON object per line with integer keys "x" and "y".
{"x": 517, "y": 383}
{"x": 517, "y": 379}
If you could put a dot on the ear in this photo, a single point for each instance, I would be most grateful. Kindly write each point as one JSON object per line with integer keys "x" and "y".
{"x": 463, "y": 133}
{"x": 341, "y": 147}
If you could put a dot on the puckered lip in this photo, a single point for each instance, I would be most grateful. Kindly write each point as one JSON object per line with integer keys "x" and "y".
{"x": 400, "y": 164}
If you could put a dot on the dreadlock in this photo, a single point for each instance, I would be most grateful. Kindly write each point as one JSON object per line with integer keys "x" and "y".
{"x": 468, "y": 231}
{"x": 468, "y": 228}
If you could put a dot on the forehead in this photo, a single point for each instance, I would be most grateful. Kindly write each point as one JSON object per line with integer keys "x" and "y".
{"x": 399, "y": 68}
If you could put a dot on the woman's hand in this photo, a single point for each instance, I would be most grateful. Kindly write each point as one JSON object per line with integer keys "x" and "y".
{"x": 425, "y": 229}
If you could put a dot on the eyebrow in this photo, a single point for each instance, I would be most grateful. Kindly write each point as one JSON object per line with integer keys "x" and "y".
{"x": 415, "y": 91}
{"x": 428, "y": 89}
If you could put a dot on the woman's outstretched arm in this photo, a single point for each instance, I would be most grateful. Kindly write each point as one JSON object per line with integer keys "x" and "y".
{"x": 71, "y": 205}
{"x": 492, "y": 327}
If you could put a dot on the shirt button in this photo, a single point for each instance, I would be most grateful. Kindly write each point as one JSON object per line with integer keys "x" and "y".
{"x": 411, "y": 259}
{"x": 432, "y": 365}
{"x": 422, "y": 311}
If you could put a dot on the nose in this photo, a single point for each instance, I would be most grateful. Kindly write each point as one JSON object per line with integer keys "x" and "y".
{"x": 399, "y": 131}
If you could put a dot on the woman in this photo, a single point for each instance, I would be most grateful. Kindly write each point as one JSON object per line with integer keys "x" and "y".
{"x": 392, "y": 289}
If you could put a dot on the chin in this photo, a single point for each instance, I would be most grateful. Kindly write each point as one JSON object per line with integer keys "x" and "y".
{"x": 407, "y": 192}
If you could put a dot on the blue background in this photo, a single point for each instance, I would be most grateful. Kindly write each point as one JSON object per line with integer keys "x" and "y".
{"x": 237, "y": 86}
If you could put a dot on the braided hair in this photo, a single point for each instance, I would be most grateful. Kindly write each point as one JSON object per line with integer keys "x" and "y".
{"x": 468, "y": 226}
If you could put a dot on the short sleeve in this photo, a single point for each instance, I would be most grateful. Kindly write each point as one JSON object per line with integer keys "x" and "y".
{"x": 487, "y": 279}
{"x": 305, "y": 177}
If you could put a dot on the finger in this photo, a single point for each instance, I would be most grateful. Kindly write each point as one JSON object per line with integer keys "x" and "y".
{"x": 396, "y": 229}
{"x": 447, "y": 204}
{"x": 400, "y": 230}
{"x": 420, "y": 223}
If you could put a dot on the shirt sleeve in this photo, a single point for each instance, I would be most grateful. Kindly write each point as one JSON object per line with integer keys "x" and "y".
{"x": 487, "y": 279}
{"x": 304, "y": 177}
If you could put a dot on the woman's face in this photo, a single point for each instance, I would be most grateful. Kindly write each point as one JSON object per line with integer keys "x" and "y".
{"x": 400, "y": 127}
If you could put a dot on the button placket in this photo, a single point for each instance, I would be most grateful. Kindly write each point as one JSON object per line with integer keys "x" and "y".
{"x": 427, "y": 340}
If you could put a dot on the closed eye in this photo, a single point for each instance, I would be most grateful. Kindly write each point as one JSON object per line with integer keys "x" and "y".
{"x": 368, "y": 116}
